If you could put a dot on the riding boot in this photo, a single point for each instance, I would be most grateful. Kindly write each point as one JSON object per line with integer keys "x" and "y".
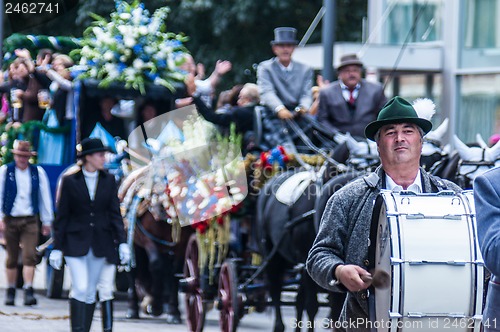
{"x": 89, "y": 315}
{"x": 10, "y": 296}
{"x": 107, "y": 315}
{"x": 77, "y": 315}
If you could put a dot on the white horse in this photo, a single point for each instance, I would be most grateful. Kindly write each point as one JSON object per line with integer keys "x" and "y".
{"x": 477, "y": 159}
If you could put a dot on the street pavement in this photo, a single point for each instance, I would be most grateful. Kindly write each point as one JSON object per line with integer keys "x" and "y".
{"x": 52, "y": 315}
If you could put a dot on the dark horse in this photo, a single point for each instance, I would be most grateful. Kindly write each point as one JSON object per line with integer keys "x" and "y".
{"x": 285, "y": 220}
{"x": 159, "y": 254}
{"x": 285, "y": 225}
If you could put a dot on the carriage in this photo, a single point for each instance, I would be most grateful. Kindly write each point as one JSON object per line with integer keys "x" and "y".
{"x": 270, "y": 235}
{"x": 244, "y": 280}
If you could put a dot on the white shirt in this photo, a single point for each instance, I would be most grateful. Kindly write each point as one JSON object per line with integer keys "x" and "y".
{"x": 286, "y": 69}
{"x": 416, "y": 186}
{"x": 347, "y": 94}
{"x": 90, "y": 181}
{"x": 22, "y": 203}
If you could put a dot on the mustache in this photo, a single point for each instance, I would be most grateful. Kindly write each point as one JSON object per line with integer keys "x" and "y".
{"x": 401, "y": 145}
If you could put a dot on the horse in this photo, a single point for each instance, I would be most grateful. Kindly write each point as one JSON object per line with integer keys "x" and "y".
{"x": 284, "y": 217}
{"x": 159, "y": 248}
{"x": 473, "y": 161}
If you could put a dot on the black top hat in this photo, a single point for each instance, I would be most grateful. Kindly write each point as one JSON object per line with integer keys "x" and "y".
{"x": 285, "y": 35}
{"x": 91, "y": 145}
{"x": 349, "y": 59}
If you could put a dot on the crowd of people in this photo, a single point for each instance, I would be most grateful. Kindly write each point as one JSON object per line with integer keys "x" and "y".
{"x": 88, "y": 229}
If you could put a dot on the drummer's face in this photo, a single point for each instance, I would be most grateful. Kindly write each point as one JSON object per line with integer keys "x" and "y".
{"x": 400, "y": 143}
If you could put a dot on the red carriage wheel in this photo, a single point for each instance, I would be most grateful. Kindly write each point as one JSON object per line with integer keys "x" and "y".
{"x": 230, "y": 302}
{"x": 195, "y": 308}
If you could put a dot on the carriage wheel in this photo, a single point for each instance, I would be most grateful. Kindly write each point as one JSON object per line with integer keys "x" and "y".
{"x": 230, "y": 302}
{"x": 195, "y": 308}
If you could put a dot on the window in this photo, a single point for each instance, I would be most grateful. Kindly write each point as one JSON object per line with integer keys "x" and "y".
{"x": 479, "y": 107}
{"x": 417, "y": 20}
{"x": 481, "y": 24}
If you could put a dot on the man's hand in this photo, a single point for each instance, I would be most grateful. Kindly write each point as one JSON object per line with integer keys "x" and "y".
{"x": 45, "y": 230}
{"x": 300, "y": 110}
{"x": 200, "y": 71}
{"x": 350, "y": 277}
{"x": 23, "y": 53}
{"x": 284, "y": 113}
{"x": 222, "y": 67}
{"x": 190, "y": 84}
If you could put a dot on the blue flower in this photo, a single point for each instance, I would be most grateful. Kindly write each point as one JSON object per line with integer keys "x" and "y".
{"x": 151, "y": 76}
{"x": 161, "y": 63}
{"x": 121, "y": 67}
{"x": 138, "y": 49}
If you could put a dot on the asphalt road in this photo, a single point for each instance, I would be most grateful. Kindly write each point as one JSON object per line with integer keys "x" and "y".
{"x": 51, "y": 315}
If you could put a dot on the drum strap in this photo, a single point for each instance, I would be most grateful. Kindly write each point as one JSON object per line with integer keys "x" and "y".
{"x": 438, "y": 183}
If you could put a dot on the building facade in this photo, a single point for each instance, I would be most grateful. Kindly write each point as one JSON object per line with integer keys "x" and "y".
{"x": 446, "y": 50}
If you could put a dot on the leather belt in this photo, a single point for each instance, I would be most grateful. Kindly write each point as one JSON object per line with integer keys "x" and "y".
{"x": 20, "y": 217}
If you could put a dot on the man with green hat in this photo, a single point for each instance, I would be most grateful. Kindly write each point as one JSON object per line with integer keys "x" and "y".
{"x": 338, "y": 258}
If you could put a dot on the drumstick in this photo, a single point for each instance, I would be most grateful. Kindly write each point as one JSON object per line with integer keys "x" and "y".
{"x": 379, "y": 279}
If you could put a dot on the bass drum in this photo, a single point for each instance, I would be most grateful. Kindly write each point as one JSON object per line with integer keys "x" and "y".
{"x": 427, "y": 245}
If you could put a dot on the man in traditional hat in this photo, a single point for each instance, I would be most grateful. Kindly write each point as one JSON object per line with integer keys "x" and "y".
{"x": 25, "y": 197}
{"x": 285, "y": 85}
{"x": 339, "y": 256}
{"x": 350, "y": 103}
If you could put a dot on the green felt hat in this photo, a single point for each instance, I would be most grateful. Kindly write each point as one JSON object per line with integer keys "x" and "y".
{"x": 396, "y": 110}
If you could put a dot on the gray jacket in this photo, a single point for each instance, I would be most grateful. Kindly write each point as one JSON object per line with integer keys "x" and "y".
{"x": 343, "y": 236}
{"x": 334, "y": 113}
{"x": 279, "y": 88}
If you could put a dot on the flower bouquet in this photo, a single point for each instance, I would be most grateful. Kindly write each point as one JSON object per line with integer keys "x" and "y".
{"x": 205, "y": 180}
{"x": 133, "y": 48}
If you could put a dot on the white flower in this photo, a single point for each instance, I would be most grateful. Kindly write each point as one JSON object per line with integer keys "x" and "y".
{"x": 149, "y": 49}
{"x": 129, "y": 41}
{"x": 97, "y": 32}
{"x": 123, "y": 29}
{"x": 143, "y": 30}
{"x": 130, "y": 73}
{"x": 109, "y": 55}
{"x": 93, "y": 72}
{"x": 112, "y": 70}
{"x": 125, "y": 16}
{"x": 138, "y": 64}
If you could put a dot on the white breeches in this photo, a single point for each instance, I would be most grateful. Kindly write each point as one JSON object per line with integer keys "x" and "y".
{"x": 106, "y": 284}
{"x": 85, "y": 272}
